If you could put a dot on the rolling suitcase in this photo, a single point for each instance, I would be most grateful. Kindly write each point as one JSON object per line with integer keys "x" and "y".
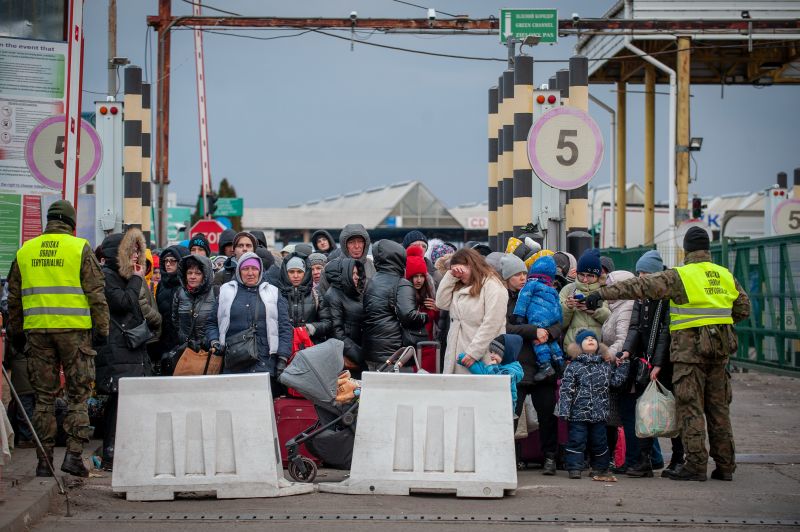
{"x": 428, "y": 354}
{"x": 294, "y": 416}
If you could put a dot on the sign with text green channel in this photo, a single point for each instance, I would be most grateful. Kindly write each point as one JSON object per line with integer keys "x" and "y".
{"x": 521, "y": 23}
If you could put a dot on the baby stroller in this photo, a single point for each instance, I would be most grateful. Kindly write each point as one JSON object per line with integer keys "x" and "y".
{"x": 314, "y": 372}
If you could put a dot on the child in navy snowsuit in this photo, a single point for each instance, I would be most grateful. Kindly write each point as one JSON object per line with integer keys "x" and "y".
{"x": 504, "y": 351}
{"x": 583, "y": 401}
{"x": 538, "y": 304}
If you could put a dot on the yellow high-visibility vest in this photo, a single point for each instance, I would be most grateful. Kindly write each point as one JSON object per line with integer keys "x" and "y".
{"x": 52, "y": 296}
{"x": 711, "y": 291}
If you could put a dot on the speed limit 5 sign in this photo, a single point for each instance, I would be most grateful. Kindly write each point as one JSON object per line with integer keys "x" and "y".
{"x": 565, "y": 148}
{"x": 786, "y": 218}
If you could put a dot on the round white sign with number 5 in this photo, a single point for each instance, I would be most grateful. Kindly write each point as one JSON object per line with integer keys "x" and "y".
{"x": 565, "y": 148}
{"x": 786, "y": 218}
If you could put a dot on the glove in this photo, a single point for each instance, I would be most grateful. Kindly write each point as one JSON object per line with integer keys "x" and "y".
{"x": 99, "y": 340}
{"x": 280, "y": 366}
{"x": 18, "y": 343}
{"x": 593, "y": 301}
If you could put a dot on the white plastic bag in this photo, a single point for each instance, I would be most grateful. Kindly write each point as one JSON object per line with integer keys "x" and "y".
{"x": 655, "y": 413}
{"x": 530, "y": 415}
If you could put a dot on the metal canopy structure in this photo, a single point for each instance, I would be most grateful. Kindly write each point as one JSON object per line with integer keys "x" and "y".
{"x": 762, "y": 49}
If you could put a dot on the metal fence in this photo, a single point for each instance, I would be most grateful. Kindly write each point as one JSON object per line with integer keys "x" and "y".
{"x": 769, "y": 271}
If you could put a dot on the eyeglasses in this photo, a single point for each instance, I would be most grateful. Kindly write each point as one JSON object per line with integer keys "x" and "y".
{"x": 170, "y": 261}
{"x": 586, "y": 276}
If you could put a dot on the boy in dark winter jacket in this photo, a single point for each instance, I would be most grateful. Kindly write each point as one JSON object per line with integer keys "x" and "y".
{"x": 538, "y": 304}
{"x": 504, "y": 352}
{"x": 584, "y": 403}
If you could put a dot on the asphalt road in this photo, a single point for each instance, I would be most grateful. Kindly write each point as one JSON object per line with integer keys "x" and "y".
{"x": 764, "y": 495}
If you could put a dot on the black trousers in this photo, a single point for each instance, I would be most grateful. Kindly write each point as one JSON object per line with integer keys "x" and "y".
{"x": 543, "y": 396}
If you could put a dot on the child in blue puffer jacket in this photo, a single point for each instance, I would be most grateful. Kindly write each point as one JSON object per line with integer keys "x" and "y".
{"x": 504, "y": 351}
{"x": 538, "y": 304}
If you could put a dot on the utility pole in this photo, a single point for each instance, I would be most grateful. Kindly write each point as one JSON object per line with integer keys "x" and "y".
{"x": 112, "y": 47}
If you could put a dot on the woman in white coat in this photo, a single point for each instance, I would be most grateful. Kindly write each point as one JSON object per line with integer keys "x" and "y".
{"x": 476, "y": 298}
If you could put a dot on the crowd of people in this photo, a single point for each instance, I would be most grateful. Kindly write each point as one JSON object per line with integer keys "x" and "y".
{"x": 579, "y": 337}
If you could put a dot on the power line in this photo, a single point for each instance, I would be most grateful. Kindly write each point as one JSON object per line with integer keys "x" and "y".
{"x": 212, "y": 8}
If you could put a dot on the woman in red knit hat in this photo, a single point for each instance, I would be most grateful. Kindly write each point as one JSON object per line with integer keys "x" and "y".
{"x": 424, "y": 287}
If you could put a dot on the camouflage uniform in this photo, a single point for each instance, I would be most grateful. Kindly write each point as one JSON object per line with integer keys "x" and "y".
{"x": 700, "y": 355}
{"x": 47, "y": 350}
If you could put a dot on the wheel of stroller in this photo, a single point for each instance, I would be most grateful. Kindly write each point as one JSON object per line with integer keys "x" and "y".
{"x": 348, "y": 419}
{"x": 310, "y": 470}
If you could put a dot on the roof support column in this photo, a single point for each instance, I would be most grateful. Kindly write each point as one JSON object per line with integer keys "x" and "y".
{"x": 649, "y": 153}
{"x": 622, "y": 122}
{"x": 684, "y": 81}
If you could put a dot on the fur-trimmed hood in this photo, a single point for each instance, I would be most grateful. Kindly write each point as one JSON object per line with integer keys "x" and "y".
{"x": 573, "y": 350}
{"x": 118, "y": 250}
{"x": 443, "y": 263}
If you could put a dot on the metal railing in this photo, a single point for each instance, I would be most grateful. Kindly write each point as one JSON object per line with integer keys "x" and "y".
{"x": 769, "y": 271}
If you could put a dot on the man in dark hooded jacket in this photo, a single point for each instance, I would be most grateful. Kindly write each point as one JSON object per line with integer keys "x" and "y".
{"x": 226, "y": 242}
{"x": 323, "y": 242}
{"x": 354, "y": 243}
{"x": 390, "y": 304}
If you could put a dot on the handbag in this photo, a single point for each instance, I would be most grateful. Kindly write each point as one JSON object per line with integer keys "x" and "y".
{"x": 644, "y": 367}
{"x": 241, "y": 349}
{"x": 197, "y": 363}
{"x": 137, "y": 336}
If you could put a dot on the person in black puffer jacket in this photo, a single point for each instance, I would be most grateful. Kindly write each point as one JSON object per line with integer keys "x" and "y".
{"x": 165, "y": 292}
{"x": 304, "y": 301}
{"x": 390, "y": 304}
{"x": 648, "y": 339}
{"x": 124, "y": 272}
{"x": 343, "y": 310}
{"x": 193, "y": 303}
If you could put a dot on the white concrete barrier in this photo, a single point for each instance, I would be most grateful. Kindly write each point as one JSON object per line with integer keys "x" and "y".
{"x": 199, "y": 434}
{"x": 439, "y": 433}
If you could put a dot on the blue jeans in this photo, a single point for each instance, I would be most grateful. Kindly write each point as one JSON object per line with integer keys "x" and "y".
{"x": 581, "y": 433}
{"x": 28, "y": 401}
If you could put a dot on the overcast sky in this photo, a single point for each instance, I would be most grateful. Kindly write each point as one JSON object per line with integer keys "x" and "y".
{"x": 303, "y": 117}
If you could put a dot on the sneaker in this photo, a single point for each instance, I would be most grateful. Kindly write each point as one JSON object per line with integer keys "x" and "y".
{"x": 684, "y": 474}
{"x": 575, "y": 474}
{"x": 718, "y": 474}
{"x": 549, "y": 467}
{"x": 73, "y": 464}
{"x": 619, "y": 469}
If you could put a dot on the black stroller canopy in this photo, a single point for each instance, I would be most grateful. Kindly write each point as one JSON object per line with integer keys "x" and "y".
{"x": 314, "y": 372}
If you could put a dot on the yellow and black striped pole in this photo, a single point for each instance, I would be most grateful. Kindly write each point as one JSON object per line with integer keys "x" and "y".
{"x": 507, "y": 165}
{"x": 578, "y": 238}
{"x": 500, "y": 198}
{"x": 493, "y": 122}
{"x": 147, "y": 190}
{"x": 132, "y": 149}
{"x": 523, "y": 119}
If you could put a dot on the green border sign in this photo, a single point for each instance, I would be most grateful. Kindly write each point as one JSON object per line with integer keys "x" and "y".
{"x": 229, "y": 207}
{"x": 521, "y": 23}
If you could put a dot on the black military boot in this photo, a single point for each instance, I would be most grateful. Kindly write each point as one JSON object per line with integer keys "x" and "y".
{"x": 42, "y": 469}
{"x": 718, "y": 474}
{"x": 549, "y": 468}
{"x": 644, "y": 469}
{"x": 73, "y": 464}
{"x": 674, "y": 463}
{"x": 684, "y": 474}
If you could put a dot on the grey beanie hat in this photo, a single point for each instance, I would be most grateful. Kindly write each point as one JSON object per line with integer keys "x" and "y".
{"x": 317, "y": 258}
{"x": 296, "y": 263}
{"x": 493, "y": 260}
{"x": 650, "y": 262}
{"x": 511, "y": 265}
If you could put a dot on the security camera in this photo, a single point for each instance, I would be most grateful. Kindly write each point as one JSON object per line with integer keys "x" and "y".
{"x": 575, "y": 17}
{"x": 431, "y": 14}
{"x": 353, "y": 16}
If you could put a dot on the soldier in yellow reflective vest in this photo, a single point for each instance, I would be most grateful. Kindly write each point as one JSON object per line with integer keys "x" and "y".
{"x": 57, "y": 307}
{"x": 705, "y": 302}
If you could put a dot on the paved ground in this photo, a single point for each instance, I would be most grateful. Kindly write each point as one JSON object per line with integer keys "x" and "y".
{"x": 765, "y": 493}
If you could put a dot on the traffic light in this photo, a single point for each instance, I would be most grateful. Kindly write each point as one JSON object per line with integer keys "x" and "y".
{"x": 211, "y": 202}
{"x": 697, "y": 208}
